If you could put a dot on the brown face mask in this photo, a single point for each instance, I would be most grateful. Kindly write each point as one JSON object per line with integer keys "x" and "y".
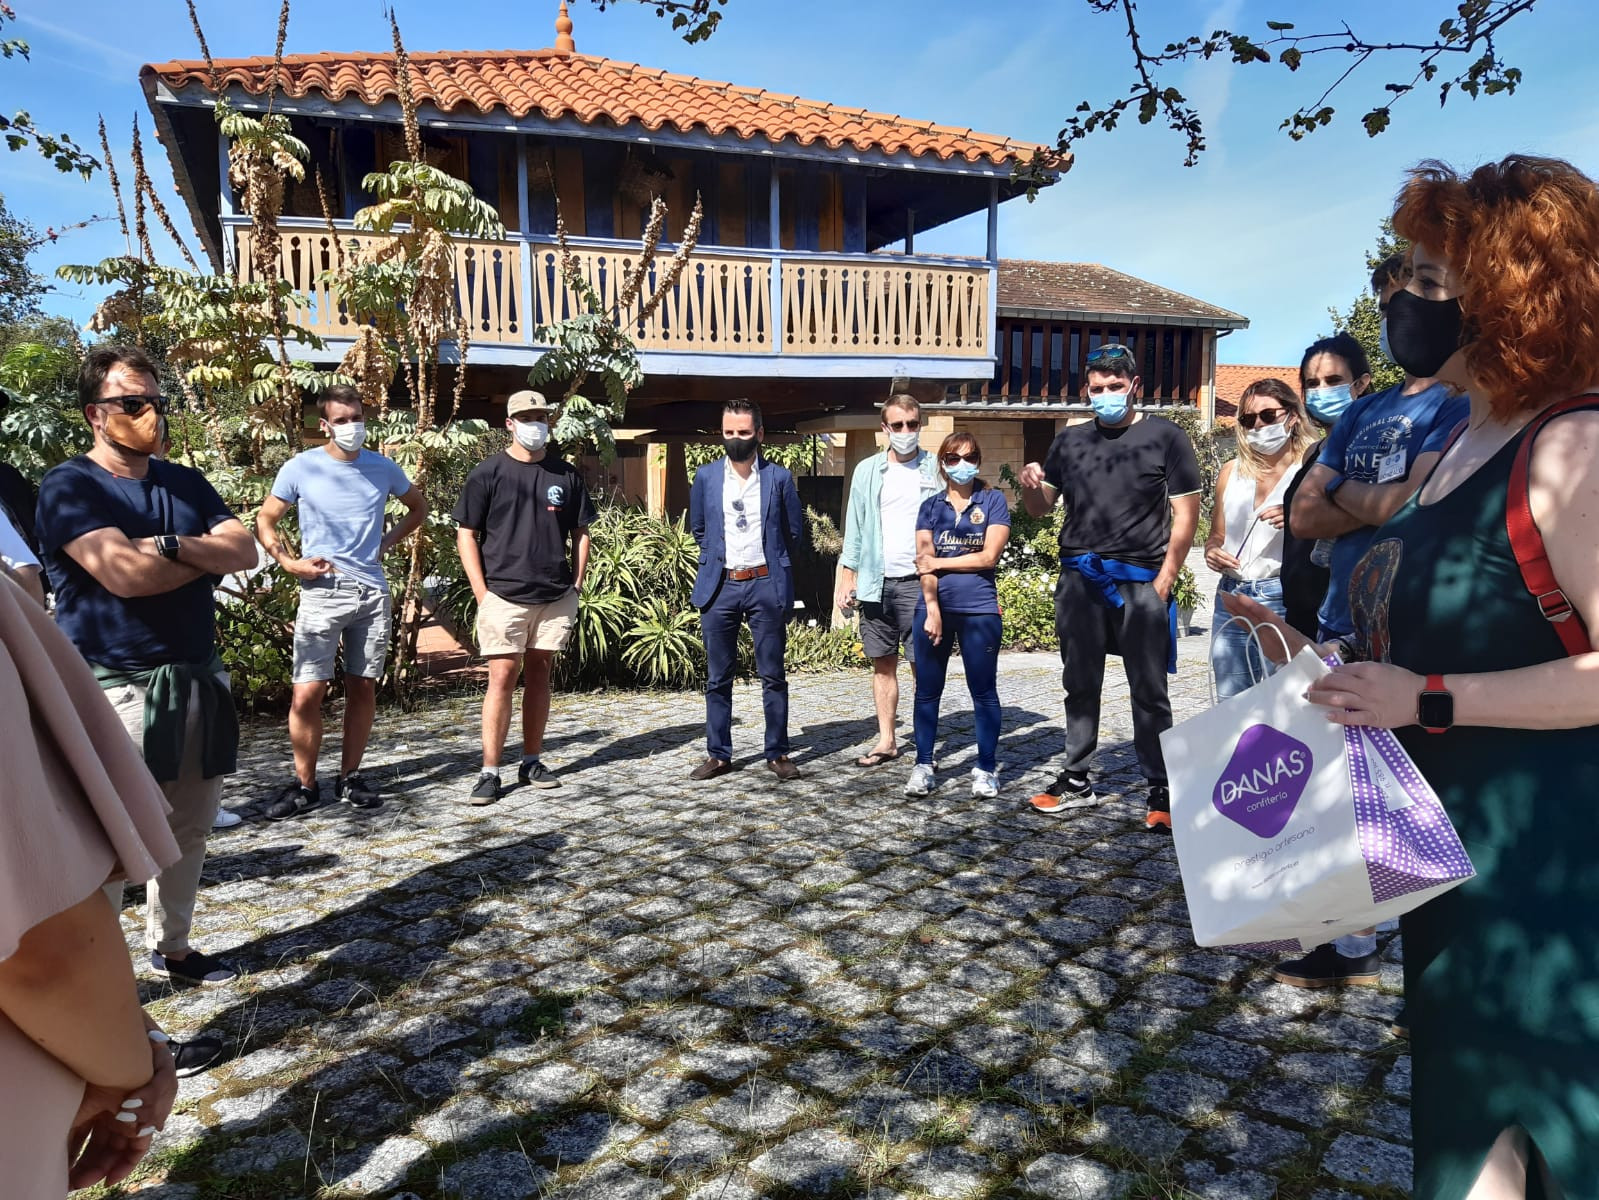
{"x": 140, "y": 434}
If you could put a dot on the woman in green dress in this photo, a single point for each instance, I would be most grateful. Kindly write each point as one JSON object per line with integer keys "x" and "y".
{"x": 1502, "y": 973}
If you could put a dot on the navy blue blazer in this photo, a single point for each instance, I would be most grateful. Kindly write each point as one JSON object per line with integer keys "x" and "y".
{"x": 780, "y": 529}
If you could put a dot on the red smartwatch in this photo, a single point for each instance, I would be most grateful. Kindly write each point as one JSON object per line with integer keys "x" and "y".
{"x": 1435, "y": 707}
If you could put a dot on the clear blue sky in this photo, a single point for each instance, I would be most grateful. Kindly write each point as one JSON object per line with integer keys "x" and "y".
{"x": 1271, "y": 228}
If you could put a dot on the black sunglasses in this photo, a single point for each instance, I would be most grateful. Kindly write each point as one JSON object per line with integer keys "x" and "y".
{"x": 952, "y": 459}
{"x": 133, "y": 405}
{"x": 909, "y": 426}
{"x": 1113, "y": 350}
{"x": 743, "y": 521}
{"x": 1266, "y": 416}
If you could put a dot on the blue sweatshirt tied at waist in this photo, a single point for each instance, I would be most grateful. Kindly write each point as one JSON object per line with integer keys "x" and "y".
{"x": 1106, "y": 573}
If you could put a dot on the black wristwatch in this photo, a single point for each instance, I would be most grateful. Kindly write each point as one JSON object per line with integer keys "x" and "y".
{"x": 167, "y": 543}
{"x": 1435, "y": 707}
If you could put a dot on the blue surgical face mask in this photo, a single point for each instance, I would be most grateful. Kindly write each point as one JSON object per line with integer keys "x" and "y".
{"x": 1327, "y": 404}
{"x": 1111, "y": 407}
{"x": 962, "y": 472}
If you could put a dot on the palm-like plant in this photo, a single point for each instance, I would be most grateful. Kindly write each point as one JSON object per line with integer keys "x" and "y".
{"x": 663, "y": 647}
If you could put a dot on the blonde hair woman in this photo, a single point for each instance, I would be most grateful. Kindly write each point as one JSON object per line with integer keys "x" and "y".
{"x": 1246, "y": 523}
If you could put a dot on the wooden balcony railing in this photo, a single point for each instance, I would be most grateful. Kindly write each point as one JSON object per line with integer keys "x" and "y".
{"x": 725, "y": 301}
{"x": 488, "y": 282}
{"x": 888, "y": 308}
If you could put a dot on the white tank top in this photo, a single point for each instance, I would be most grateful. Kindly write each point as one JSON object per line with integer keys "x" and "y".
{"x": 1256, "y": 544}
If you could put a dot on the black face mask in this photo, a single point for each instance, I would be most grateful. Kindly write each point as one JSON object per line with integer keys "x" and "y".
{"x": 1422, "y": 334}
{"x": 740, "y": 449}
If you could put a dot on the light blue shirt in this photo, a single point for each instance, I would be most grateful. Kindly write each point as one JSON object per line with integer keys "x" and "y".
{"x": 863, "y": 522}
{"x": 340, "y": 506}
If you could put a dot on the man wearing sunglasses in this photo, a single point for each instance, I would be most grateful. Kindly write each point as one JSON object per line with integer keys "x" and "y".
{"x": 878, "y": 564}
{"x": 1131, "y": 487}
{"x": 745, "y": 515}
{"x": 134, "y": 546}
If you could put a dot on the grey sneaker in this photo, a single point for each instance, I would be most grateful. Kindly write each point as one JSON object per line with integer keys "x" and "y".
{"x": 535, "y": 774}
{"x": 921, "y": 780}
{"x": 985, "y": 784}
{"x": 486, "y": 790}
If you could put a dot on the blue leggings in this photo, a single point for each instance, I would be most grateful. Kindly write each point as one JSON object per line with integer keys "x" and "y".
{"x": 979, "y": 636}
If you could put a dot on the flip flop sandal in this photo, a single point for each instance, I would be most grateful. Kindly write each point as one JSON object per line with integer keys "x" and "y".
{"x": 876, "y": 758}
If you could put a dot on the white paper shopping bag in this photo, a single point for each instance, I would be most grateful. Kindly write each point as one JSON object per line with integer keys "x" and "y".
{"x": 1290, "y": 829}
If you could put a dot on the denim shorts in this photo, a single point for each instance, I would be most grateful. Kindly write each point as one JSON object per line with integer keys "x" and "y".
{"x": 335, "y": 610}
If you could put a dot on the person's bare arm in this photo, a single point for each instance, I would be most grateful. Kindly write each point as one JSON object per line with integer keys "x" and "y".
{"x": 1184, "y": 521}
{"x": 1376, "y": 503}
{"x": 70, "y": 989}
{"x": 1038, "y": 496}
{"x": 227, "y": 548}
{"x": 1216, "y": 557}
{"x": 934, "y": 625}
{"x": 1314, "y": 514}
{"x": 986, "y": 559}
{"x": 416, "y": 512}
{"x": 581, "y": 543}
{"x": 471, "y": 561}
{"x": 126, "y": 568}
{"x": 28, "y": 578}
{"x": 266, "y": 529}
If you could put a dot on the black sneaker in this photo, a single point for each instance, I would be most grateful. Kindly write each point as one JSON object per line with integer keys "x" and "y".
{"x": 291, "y": 801}
{"x": 200, "y": 969}
{"x": 195, "y": 1055}
{"x": 1070, "y": 790}
{"x": 1325, "y": 967}
{"x": 536, "y": 774}
{"x": 1400, "y": 1025}
{"x": 486, "y": 790}
{"x": 356, "y": 790}
{"x": 1159, "y": 815}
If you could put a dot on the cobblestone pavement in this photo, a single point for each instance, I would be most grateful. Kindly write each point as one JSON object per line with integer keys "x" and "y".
{"x": 639, "y": 986}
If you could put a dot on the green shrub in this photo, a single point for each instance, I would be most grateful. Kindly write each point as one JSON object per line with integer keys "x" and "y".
{"x": 815, "y": 648}
{"x": 255, "y": 637}
{"x": 1027, "y": 605}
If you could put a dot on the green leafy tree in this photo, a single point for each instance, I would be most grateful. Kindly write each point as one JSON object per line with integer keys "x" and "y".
{"x": 21, "y": 289}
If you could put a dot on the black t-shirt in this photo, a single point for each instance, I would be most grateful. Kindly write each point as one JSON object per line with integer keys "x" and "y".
{"x": 1304, "y": 583}
{"x": 137, "y": 633}
{"x": 524, "y": 515}
{"x": 1117, "y": 486}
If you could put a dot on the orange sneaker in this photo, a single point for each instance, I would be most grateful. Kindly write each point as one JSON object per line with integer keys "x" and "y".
{"x": 1069, "y": 791}
{"x": 1159, "y": 815}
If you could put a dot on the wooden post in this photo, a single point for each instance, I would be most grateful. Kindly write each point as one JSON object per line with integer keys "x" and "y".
{"x": 859, "y": 445}
{"x": 910, "y": 231}
{"x": 993, "y": 221}
{"x": 675, "y": 491}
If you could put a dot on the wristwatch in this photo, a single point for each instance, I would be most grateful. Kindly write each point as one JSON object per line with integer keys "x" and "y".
{"x": 1435, "y": 707}
{"x": 1333, "y": 484}
{"x": 167, "y": 544}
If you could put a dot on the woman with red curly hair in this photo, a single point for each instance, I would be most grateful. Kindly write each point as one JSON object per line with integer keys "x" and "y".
{"x": 1454, "y": 649}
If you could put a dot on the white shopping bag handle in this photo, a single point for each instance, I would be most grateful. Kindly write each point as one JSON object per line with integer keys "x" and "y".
{"x": 1254, "y": 632}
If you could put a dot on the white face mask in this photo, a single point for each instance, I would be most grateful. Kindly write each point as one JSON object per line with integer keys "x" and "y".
{"x": 349, "y": 436}
{"x": 531, "y": 435}
{"x": 906, "y": 442}
{"x": 1268, "y": 439}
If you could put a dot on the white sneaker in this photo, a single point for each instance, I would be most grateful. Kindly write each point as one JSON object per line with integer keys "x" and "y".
{"x": 921, "y": 780}
{"x": 226, "y": 819}
{"x": 985, "y": 783}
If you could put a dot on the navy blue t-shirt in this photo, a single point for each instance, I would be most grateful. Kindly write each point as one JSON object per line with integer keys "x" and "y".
{"x": 139, "y": 633}
{"x": 964, "y": 533}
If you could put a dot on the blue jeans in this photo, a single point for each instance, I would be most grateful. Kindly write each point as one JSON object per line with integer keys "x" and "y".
{"x": 756, "y": 601}
{"x": 1234, "y": 657}
{"x": 979, "y": 636}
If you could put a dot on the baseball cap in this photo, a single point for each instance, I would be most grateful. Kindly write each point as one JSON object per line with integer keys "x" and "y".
{"x": 526, "y": 401}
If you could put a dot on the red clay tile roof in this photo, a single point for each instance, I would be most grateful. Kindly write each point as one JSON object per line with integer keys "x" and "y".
{"x": 1233, "y": 378}
{"x": 592, "y": 89}
{"x": 1091, "y": 288}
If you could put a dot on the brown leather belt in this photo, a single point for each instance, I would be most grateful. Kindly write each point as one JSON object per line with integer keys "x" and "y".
{"x": 745, "y": 574}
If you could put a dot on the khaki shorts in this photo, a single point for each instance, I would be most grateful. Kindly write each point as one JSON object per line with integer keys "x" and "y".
{"x": 505, "y": 627}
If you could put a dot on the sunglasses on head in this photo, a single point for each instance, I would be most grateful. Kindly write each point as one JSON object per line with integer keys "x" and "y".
{"x": 952, "y": 459}
{"x": 1113, "y": 350}
{"x": 907, "y": 426}
{"x": 134, "y": 405}
{"x": 1266, "y": 416}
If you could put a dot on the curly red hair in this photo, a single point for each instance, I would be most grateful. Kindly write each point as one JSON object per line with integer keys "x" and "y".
{"x": 1522, "y": 236}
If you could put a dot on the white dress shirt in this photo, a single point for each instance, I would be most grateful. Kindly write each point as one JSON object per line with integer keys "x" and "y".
{"x": 745, "y": 547}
